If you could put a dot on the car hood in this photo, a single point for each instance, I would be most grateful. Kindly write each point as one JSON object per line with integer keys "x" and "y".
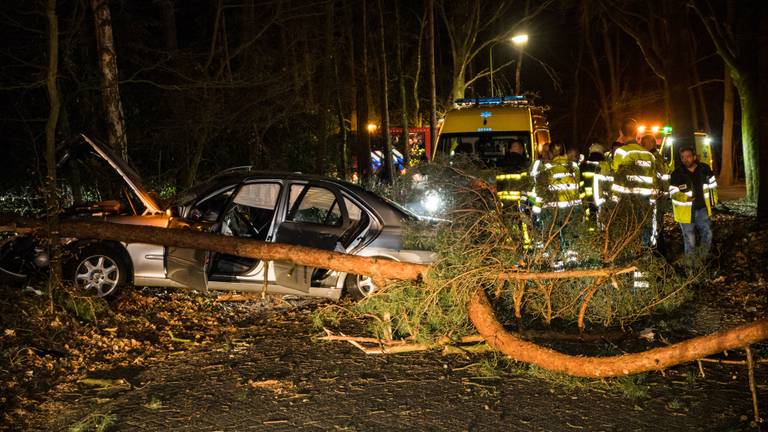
{"x": 122, "y": 168}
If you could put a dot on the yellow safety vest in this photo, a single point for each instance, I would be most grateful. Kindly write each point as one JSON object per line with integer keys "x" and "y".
{"x": 634, "y": 172}
{"x": 556, "y": 184}
{"x": 681, "y": 193}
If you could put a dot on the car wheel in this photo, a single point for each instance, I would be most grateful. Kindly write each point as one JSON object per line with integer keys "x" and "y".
{"x": 99, "y": 270}
{"x": 358, "y": 287}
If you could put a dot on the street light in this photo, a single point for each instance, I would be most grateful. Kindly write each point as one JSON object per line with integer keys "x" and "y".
{"x": 519, "y": 40}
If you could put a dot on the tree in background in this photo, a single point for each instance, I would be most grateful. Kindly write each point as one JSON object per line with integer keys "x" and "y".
{"x": 737, "y": 46}
{"x": 110, "y": 93}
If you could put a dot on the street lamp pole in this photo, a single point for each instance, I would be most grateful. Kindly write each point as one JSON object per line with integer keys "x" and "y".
{"x": 519, "y": 40}
{"x": 490, "y": 61}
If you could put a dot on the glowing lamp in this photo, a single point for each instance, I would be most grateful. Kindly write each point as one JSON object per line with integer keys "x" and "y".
{"x": 520, "y": 39}
{"x": 655, "y": 129}
{"x": 641, "y": 129}
{"x": 371, "y": 127}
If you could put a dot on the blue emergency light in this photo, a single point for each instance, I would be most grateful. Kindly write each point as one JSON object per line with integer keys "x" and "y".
{"x": 492, "y": 101}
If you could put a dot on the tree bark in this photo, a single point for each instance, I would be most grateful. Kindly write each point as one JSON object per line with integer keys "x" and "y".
{"x": 389, "y": 174}
{"x": 401, "y": 84}
{"x": 363, "y": 138}
{"x": 54, "y": 107}
{"x": 110, "y": 93}
{"x": 168, "y": 11}
{"x": 378, "y": 268}
{"x": 727, "y": 150}
{"x": 432, "y": 82}
{"x": 762, "y": 195}
{"x": 482, "y": 316}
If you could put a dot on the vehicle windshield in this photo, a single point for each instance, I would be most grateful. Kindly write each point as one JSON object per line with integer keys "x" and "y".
{"x": 493, "y": 150}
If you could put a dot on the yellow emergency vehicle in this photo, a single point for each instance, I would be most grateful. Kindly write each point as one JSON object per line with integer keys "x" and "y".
{"x": 703, "y": 150}
{"x": 486, "y": 129}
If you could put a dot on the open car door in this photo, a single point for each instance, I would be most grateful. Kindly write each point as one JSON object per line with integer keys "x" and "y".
{"x": 317, "y": 218}
{"x": 189, "y": 267}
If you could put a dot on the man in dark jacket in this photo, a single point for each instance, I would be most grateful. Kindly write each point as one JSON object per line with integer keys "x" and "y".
{"x": 693, "y": 190}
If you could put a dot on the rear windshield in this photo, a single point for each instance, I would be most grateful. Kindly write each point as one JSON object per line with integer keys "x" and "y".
{"x": 493, "y": 150}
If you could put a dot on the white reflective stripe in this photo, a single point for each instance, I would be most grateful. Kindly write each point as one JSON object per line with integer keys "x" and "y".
{"x": 535, "y": 169}
{"x": 642, "y": 284}
{"x": 563, "y": 187}
{"x": 622, "y": 152}
{"x": 664, "y": 177}
{"x": 682, "y": 203}
{"x": 640, "y": 178}
{"x": 562, "y": 175}
{"x": 634, "y": 190}
{"x": 643, "y": 163}
{"x": 562, "y": 204}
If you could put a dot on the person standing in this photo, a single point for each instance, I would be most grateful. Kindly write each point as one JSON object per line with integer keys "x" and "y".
{"x": 589, "y": 169}
{"x": 634, "y": 187}
{"x": 693, "y": 191}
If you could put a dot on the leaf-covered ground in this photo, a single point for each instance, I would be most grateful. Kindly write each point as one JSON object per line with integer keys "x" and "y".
{"x": 168, "y": 360}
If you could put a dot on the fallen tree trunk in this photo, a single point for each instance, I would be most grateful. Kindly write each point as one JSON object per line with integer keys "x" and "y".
{"x": 483, "y": 317}
{"x": 378, "y": 268}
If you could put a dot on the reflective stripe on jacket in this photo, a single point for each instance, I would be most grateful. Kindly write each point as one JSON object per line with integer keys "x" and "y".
{"x": 634, "y": 171}
{"x": 556, "y": 184}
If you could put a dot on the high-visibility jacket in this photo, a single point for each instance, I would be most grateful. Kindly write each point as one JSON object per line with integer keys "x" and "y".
{"x": 514, "y": 183}
{"x": 556, "y": 184}
{"x": 589, "y": 170}
{"x": 662, "y": 174}
{"x": 601, "y": 188}
{"x": 681, "y": 191}
{"x": 634, "y": 171}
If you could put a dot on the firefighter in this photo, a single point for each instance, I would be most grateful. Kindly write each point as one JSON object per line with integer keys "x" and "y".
{"x": 589, "y": 170}
{"x": 662, "y": 197}
{"x": 556, "y": 199}
{"x": 693, "y": 191}
{"x": 512, "y": 185}
{"x": 634, "y": 183}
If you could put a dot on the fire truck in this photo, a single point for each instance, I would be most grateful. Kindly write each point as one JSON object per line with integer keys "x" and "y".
{"x": 665, "y": 141}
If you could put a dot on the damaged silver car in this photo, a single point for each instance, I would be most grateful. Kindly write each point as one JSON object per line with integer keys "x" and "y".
{"x": 287, "y": 208}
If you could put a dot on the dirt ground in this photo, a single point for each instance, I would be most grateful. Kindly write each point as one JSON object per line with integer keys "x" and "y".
{"x": 174, "y": 360}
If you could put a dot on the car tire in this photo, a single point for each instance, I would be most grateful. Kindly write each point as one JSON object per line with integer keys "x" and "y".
{"x": 357, "y": 287}
{"x": 98, "y": 270}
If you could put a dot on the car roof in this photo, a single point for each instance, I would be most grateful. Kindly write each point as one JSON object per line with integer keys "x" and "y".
{"x": 390, "y": 212}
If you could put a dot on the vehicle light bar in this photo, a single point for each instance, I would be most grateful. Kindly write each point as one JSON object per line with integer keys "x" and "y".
{"x": 492, "y": 101}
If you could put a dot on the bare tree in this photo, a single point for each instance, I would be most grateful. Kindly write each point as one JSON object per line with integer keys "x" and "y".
{"x": 466, "y": 21}
{"x": 660, "y": 30}
{"x": 110, "y": 93}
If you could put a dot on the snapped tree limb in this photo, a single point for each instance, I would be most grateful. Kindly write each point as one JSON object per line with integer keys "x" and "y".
{"x": 482, "y": 316}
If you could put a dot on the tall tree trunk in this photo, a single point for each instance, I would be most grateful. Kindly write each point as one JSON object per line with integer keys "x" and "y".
{"x": 762, "y": 193}
{"x": 677, "y": 76}
{"x": 432, "y": 80}
{"x": 404, "y": 137}
{"x": 726, "y": 157}
{"x": 363, "y": 137}
{"x": 750, "y": 127}
{"x": 389, "y": 175}
{"x": 168, "y": 10}
{"x": 110, "y": 94}
{"x": 325, "y": 90}
{"x": 54, "y": 105}
{"x": 417, "y": 73}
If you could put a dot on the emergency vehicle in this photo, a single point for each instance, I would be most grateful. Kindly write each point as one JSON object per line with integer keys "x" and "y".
{"x": 485, "y": 128}
{"x": 703, "y": 150}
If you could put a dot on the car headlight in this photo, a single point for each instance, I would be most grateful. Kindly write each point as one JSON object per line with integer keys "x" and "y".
{"x": 432, "y": 202}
